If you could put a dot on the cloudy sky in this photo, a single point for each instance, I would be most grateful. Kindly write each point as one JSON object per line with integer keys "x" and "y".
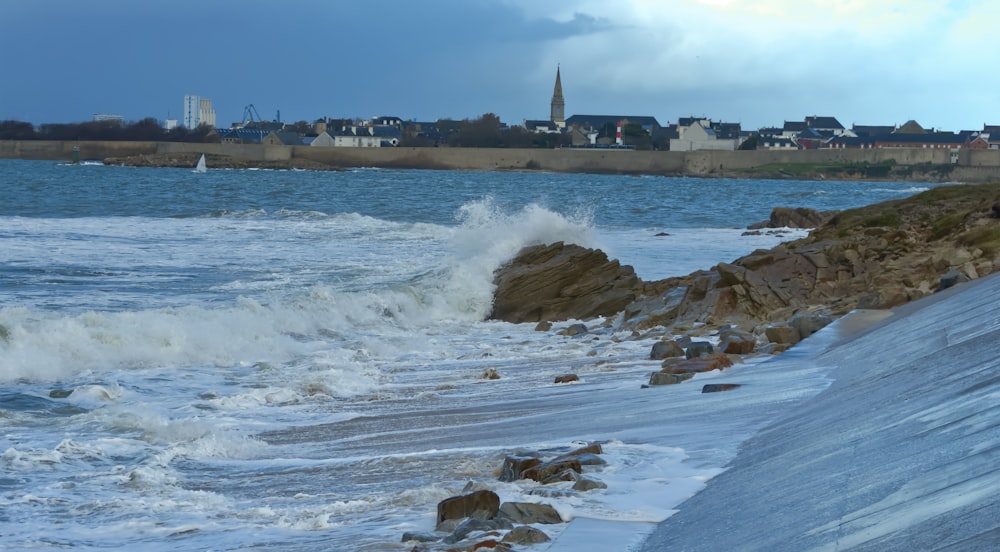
{"x": 757, "y": 62}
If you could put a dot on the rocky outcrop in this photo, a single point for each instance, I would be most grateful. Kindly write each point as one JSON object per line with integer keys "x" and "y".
{"x": 561, "y": 282}
{"x": 187, "y": 160}
{"x": 798, "y": 217}
{"x": 876, "y": 257}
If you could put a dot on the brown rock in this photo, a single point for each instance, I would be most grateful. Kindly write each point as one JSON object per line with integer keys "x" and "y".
{"x": 782, "y": 334}
{"x": 561, "y": 282}
{"x": 526, "y": 534}
{"x": 800, "y": 217}
{"x": 585, "y": 484}
{"x": 567, "y": 378}
{"x": 717, "y": 361}
{"x": 662, "y": 378}
{"x": 479, "y": 505}
{"x": 529, "y": 512}
{"x": 736, "y": 342}
{"x": 666, "y": 349}
{"x": 514, "y": 466}
{"x": 543, "y": 471}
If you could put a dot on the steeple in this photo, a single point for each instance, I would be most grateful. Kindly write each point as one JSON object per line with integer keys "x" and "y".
{"x": 558, "y": 110}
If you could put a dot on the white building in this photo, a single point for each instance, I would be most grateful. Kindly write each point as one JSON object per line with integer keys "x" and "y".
{"x": 198, "y": 111}
{"x": 699, "y": 135}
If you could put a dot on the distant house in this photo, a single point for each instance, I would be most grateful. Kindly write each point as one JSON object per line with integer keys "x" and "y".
{"x": 810, "y": 138}
{"x": 323, "y": 140}
{"x": 597, "y": 122}
{"x": 979, "y": 142}
{"x": 825, "y": 126}
{"x": 242, "y": 135}
{"x": 579, "y": 137}
{"x": 386, "y": 120}
{"x": 911, "y": 127}
{"x": 928, "y": 140}
{"x": 872, "y": 130}
{"x": 851, "y": 142}
{"x": 936, "y": 140}
{"x": 282, "y": 138}
{"x": 776, "y": 142}
{"x": 791, "y": 129}
{"x": 541, "y": 127}
{"x": 702, "y": 134}
{"x": 370, "y": 136}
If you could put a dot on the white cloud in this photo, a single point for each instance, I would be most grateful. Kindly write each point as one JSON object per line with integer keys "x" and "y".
{"x": 878, "y": 59}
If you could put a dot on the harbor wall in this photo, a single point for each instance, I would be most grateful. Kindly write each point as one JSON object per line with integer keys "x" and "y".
{"x": 968, "y": 165}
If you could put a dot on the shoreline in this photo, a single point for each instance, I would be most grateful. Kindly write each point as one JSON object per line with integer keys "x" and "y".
{"x": 899, "y": 164}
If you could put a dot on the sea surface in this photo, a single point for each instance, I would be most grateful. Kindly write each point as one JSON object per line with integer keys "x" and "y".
{"x": 294, "y": 360}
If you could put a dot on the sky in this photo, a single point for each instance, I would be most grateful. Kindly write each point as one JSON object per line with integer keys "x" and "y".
{"x": 754, "y": 62}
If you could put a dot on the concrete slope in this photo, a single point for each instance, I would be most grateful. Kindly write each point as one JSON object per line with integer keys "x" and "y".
{"x": 901, "y": 452}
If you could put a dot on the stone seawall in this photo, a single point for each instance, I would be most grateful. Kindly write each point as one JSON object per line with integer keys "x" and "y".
{"x": 970, "y": 165}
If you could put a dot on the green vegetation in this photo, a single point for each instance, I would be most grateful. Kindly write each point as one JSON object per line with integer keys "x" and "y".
{"x": 831, "y": 170}
{"x": 925, "y": 168}
{"x": 889, "y": 219}
{"x": 985, "y": 237}
{"x": 962, "y": 213}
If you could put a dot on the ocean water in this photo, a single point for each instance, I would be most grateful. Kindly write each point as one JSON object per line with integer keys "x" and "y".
{"x": 294, "y": 360}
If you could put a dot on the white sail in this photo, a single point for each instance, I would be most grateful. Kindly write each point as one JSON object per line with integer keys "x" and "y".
{"x": 201, "y": 165}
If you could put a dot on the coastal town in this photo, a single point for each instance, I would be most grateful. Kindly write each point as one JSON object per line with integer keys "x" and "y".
{"x": 600, "y": 131}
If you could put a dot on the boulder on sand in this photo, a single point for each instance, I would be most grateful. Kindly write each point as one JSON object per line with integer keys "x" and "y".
{"x": 562, "y": 282}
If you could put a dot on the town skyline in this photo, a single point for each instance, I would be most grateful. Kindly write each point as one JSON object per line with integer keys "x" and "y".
{"x": 882, "y": 62}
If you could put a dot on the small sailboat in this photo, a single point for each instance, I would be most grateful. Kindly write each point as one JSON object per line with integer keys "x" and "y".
{"x": 200, "y": 168}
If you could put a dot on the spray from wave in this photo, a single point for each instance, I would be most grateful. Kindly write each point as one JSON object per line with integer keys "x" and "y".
{"x": 322, "y": 326}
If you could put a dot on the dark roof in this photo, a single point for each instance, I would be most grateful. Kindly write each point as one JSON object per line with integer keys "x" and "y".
{"x": 795, "y": 126}
{"x": 382, "y": 131}
{"x": 289, "y": 138}
{"x": 249, "y": 135}
{"x": 929, "y": 138}
{"x": 872, "y": 130}
{"x": 852, "y": 142}
{"x": 809, "y": 134}
{"x": 727, "y": 130}
{"x": 385, "y": 131}
{"x": 721, "y": 130}
{"x": 911, "y": 127}
{"x": 688, "y": 121}
{"x": 597, "y": 121}
{"x": 771, "y": 141}
{"x": 828, "y": 123}
{"x": 532, "y": 124}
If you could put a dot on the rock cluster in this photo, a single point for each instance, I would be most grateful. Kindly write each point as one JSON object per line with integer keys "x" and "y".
{"x": 876, "y": 257}
{"x": 477, "y": 519}
{"x": 187, "y": 160}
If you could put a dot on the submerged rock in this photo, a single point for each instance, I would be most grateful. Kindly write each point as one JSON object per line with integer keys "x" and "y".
{"x": 525, "y": 534}
{"x": 799, "y": 217}
{"x": 529, "y": 512}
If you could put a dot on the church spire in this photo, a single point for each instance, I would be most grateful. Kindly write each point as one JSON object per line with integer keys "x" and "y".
{"x": 558, "y": 108}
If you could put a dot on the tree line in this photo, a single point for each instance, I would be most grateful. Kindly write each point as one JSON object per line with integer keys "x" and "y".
{"x": 486, "y": 131}
{"x": 148, "y": 129}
